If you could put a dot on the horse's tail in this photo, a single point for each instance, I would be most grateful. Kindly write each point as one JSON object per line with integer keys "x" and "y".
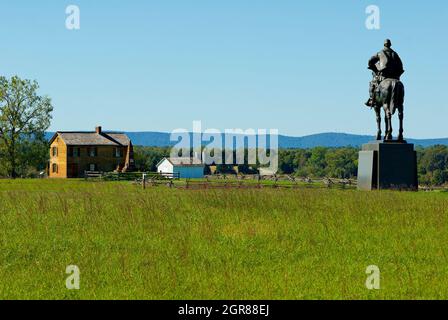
{"x": 397, "y": 95}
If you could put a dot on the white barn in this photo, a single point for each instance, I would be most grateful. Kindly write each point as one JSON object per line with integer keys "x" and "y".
{"x": 186, "y": 168}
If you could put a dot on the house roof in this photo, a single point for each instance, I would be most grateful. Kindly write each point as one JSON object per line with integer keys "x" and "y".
{"x": 92, "y": 138}
{"x": 183, "y": 162}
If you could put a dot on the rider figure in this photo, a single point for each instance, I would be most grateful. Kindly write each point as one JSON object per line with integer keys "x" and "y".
{"x": 386, "y": 64}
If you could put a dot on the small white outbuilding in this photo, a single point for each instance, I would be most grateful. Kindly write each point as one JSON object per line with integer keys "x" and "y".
{"x": 184, "y": 168}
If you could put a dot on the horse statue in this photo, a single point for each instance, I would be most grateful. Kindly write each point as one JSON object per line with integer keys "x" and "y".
{"x": 386, "y": 89}
{"x": 389, "y": 96}
{"x": 394, "y": 166}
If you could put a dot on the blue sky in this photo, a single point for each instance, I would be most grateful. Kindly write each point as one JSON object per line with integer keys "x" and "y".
{"x": 157, "y": 65}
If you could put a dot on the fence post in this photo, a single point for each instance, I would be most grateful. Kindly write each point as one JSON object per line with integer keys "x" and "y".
{"x": 144, "y": 181}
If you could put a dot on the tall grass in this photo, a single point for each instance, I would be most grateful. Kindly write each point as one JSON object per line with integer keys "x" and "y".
{"x": 162, "y": 243}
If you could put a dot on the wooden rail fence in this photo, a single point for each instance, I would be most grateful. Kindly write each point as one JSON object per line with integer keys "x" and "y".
{"x": 244, "y": 182}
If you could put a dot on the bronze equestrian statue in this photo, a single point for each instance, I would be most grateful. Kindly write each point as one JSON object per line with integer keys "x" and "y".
{"x": 386, "y": 89}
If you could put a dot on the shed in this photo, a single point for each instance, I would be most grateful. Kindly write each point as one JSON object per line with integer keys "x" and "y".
{"x": 186, "y": 168}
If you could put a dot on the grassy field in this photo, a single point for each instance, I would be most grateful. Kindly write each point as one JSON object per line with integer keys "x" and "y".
{"x": 163, "y": 243}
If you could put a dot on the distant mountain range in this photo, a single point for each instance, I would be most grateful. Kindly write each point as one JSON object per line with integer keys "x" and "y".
{"x": 162, "y": 139}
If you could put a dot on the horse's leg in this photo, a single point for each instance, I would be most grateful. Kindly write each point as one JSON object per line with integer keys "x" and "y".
{"x": 378, "y": 121}
{"x": 400, "y": 116}
{"x": 389, "y": 124}
{"x": 386, "y": 124}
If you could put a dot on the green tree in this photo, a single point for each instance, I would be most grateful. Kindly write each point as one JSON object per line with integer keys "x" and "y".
{"x": 316, "y": 163}
{"x": 438, "y": 177}
{"x": 24, "y": 117}
{"x": 286, "y": 161}
{"x": 147, "y": 158}
{"x": 342, "y": 163}
{"x": 301, "y": 159}
{"x": 432, "y": 165}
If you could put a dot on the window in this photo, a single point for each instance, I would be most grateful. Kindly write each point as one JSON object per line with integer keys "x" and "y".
{"x": 74, "y": 152}
{"x": 93, "y": 152}
{"x": 54, "y": 151}
{"x": 117, "y": 153}
{"x": 54, "y": 168}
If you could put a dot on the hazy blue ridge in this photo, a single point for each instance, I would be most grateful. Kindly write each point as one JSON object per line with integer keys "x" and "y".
{"x": 162, "y": 139}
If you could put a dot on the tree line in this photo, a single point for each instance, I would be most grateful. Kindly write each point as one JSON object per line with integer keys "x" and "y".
{"x": 315, "y": 162}
{"x": 318, "y": 162}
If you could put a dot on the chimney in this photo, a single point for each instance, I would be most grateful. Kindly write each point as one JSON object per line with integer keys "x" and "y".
{"x": 98, "y": 129}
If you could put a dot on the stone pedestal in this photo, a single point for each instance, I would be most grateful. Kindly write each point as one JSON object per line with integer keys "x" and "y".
{"x": 387, "y": 165}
